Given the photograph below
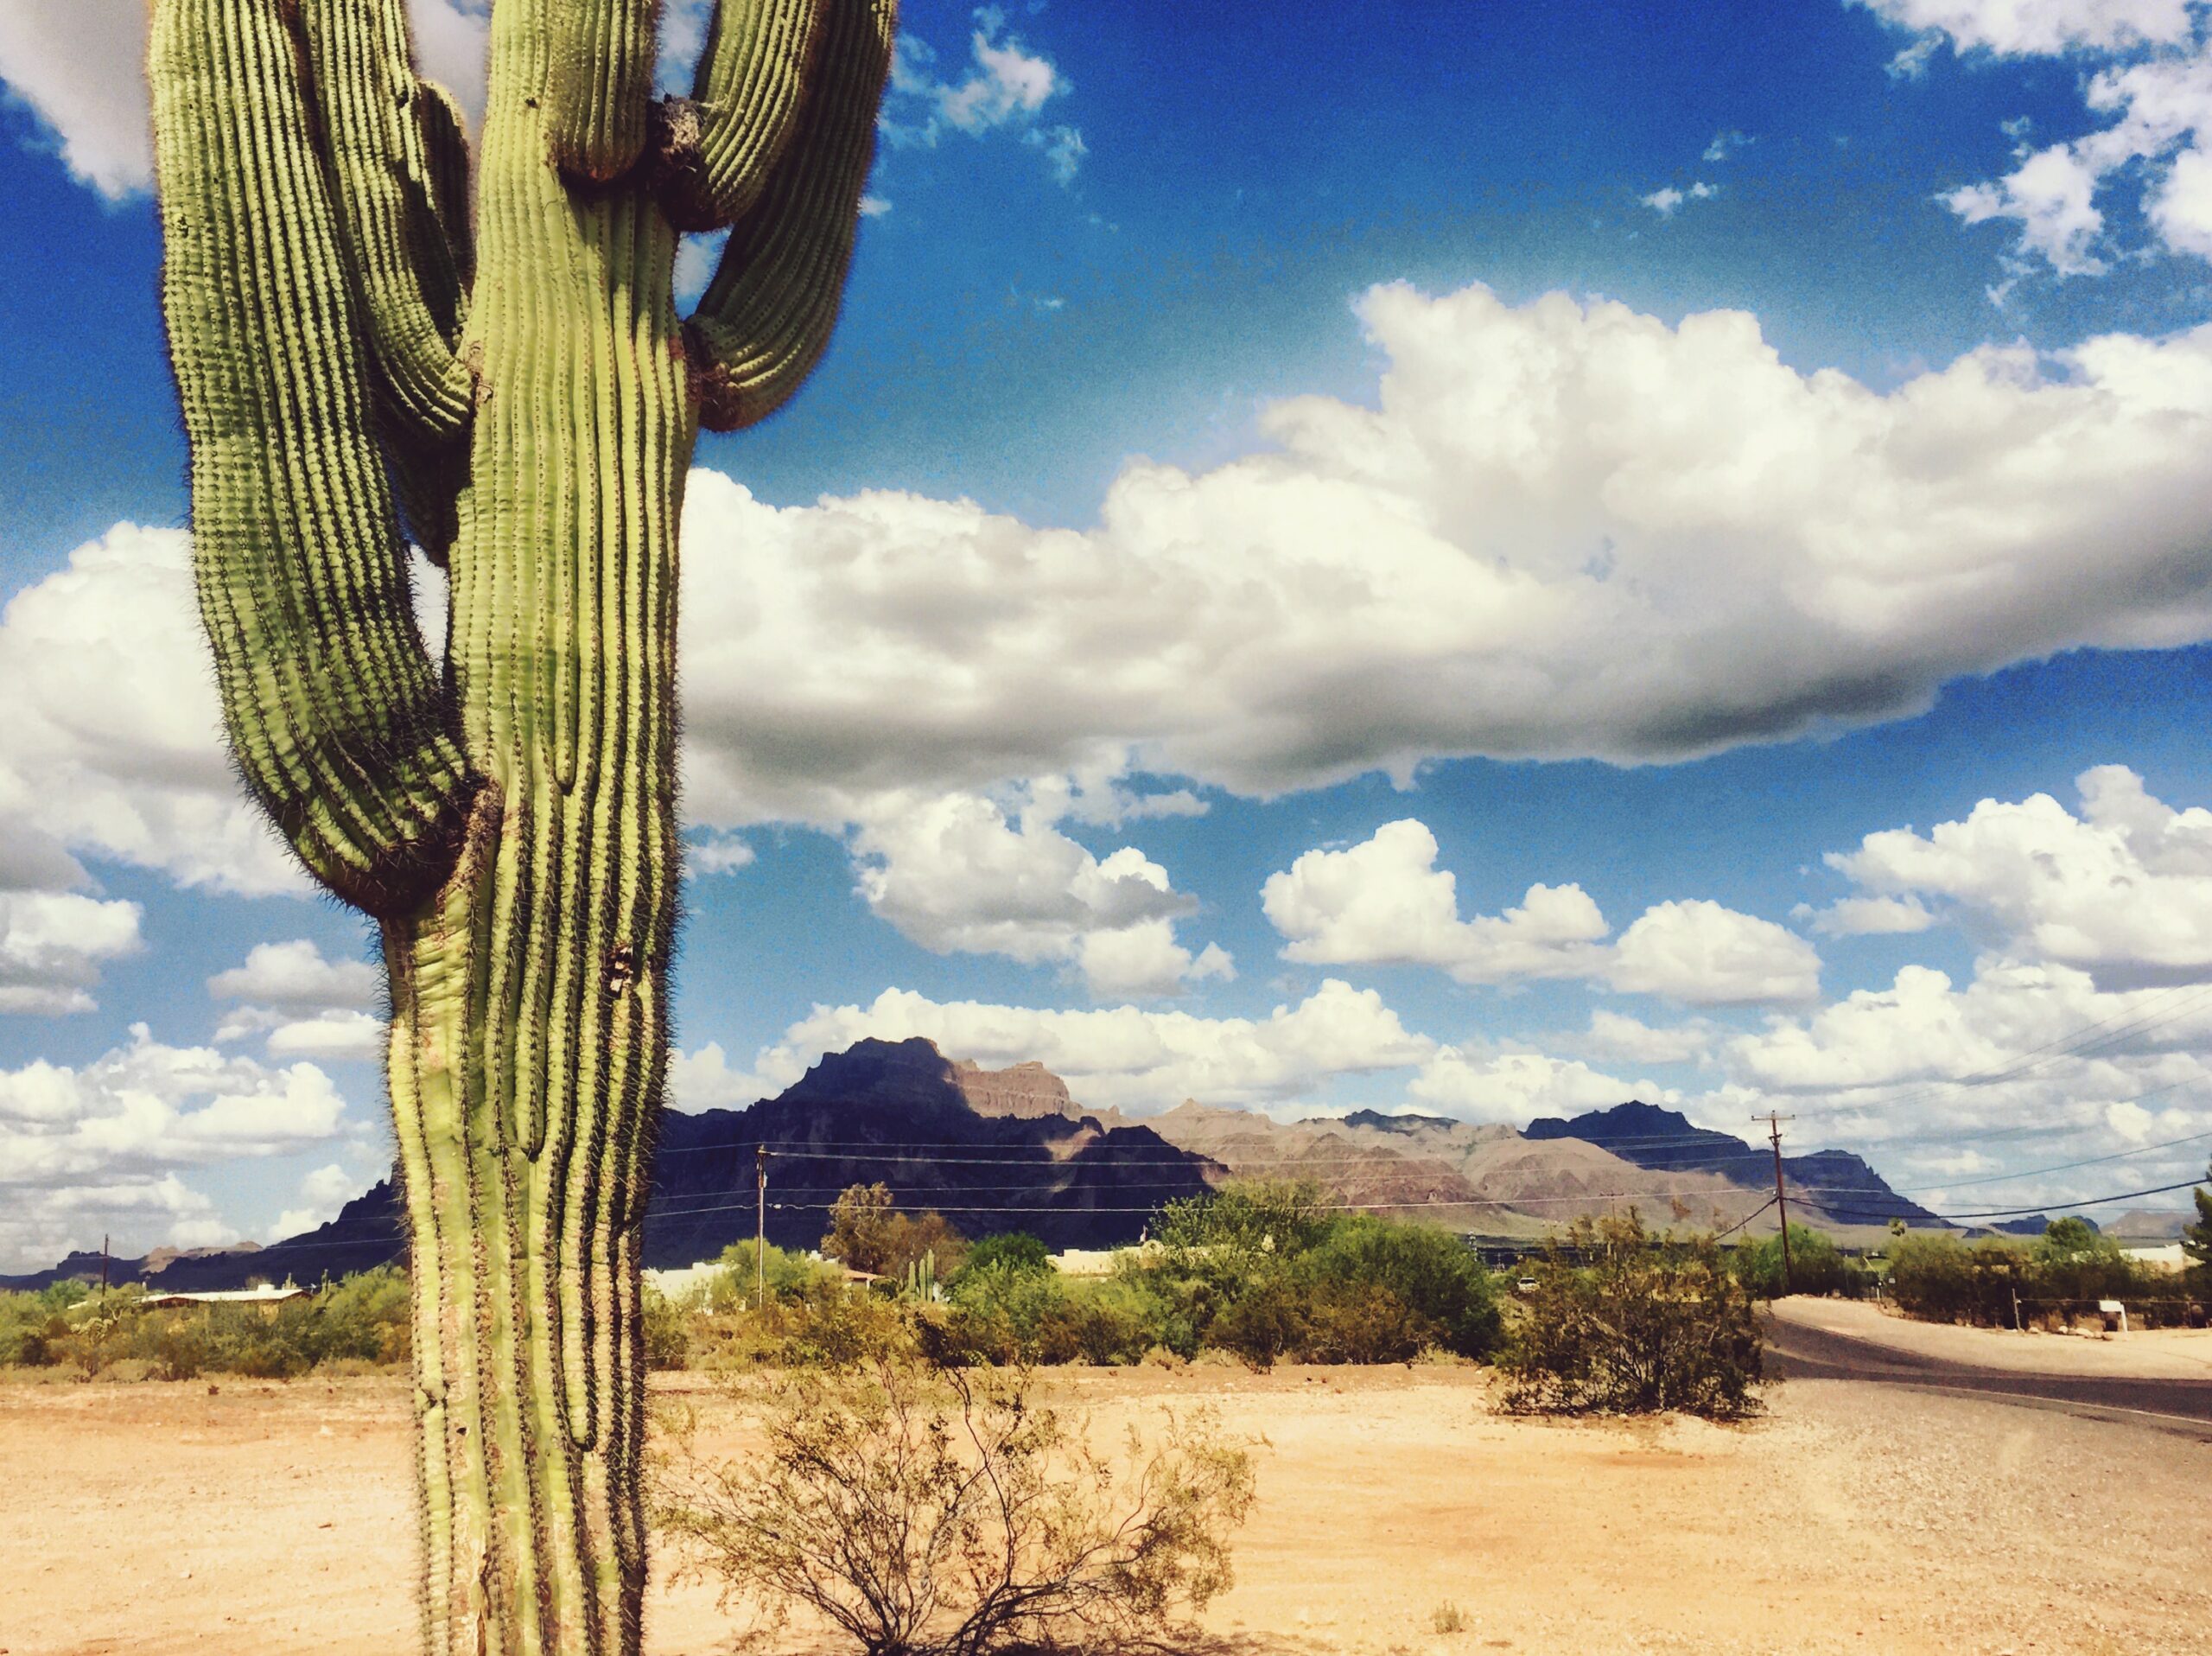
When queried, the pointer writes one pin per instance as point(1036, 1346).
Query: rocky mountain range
point(1012, 1149)
point(1833, 1184)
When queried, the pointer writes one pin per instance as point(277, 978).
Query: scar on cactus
point(379, 340)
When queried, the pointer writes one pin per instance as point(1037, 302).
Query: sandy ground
point(2160, 1354)
point(155, 1518)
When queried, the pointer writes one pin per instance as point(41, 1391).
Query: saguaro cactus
point(357, 350)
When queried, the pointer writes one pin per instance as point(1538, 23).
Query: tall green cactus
point(358, 348)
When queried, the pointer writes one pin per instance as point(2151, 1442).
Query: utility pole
point(760, 1232)
point(1774, 1128)
point(103, 1264)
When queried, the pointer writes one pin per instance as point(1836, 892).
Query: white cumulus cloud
point(306, 1006)
point(52, 946)
point(1129, 1057)
point(1005, 86)
point(79, 64)
point(1564, 529)
point(1477, 1082)
point(100, 1145)
point(2147, 86)
point(956, 873)
point(322, 1193)
point(2040, 27)
point(112, 745)
point(2122, 890)
point(1385, 901)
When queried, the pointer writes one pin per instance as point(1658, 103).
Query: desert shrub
point(822, 1327)
point(1435, 1280)
point(1261, 1270)
point(2073, 1261)
point(1939, 1277)
point(868, 1233)
point(2062, 1273)
point(365, 1317)
point(938, 1513)
point(1260, 1325)
point(667, 1331)
point(180, 1350)
point(35, 1326)
point(1004, 1313)
point(1345, 1323)
point(1646, 1324)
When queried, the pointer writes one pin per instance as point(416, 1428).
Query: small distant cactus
point(364, 352)
point(921, 1277)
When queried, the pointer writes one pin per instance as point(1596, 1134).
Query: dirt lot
point(157, 1518)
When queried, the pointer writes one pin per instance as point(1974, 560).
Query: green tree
point(1016, 1250)
point(2196, 1239)
point(1243, 1223)
point(788, 1275)
point(375, 341)
point(868, 1233)
point(1815, 1265)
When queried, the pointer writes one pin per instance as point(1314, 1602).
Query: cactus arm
point(336, 713)
point(744, 108)
point(766, 317)
point(365, 103)
point(600, 84)
point(445, 149)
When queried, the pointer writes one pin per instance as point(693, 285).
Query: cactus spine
point(364, 357)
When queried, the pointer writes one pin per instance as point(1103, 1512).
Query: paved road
point(2183, 1407)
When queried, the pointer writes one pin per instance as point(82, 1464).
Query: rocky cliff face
point(1023, 1092)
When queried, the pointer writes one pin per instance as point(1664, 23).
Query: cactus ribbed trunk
point(530, 995)
point(352, 341)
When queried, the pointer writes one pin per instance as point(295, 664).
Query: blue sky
point(1488, 560)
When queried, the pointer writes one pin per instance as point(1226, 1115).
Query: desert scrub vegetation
point(1258, 1271)
point(2050, 1279)
point(927, 1511)
point(359, 1321)
point(1624, 1322)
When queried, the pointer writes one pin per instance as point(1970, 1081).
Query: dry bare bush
point(925, 1512)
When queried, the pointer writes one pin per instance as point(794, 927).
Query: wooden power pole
point(761, 1231)
point(1774, 1129)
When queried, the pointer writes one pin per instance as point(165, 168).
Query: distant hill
point(1400, 1166)
point(367, 1234)
point(2151, 1223)
point(1484, 1178)
point(1840, 1186)
point(1012, 1149)
point(2032, 1225)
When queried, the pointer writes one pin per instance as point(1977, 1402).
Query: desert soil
point(256, 1518)
point(2159, 1353)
